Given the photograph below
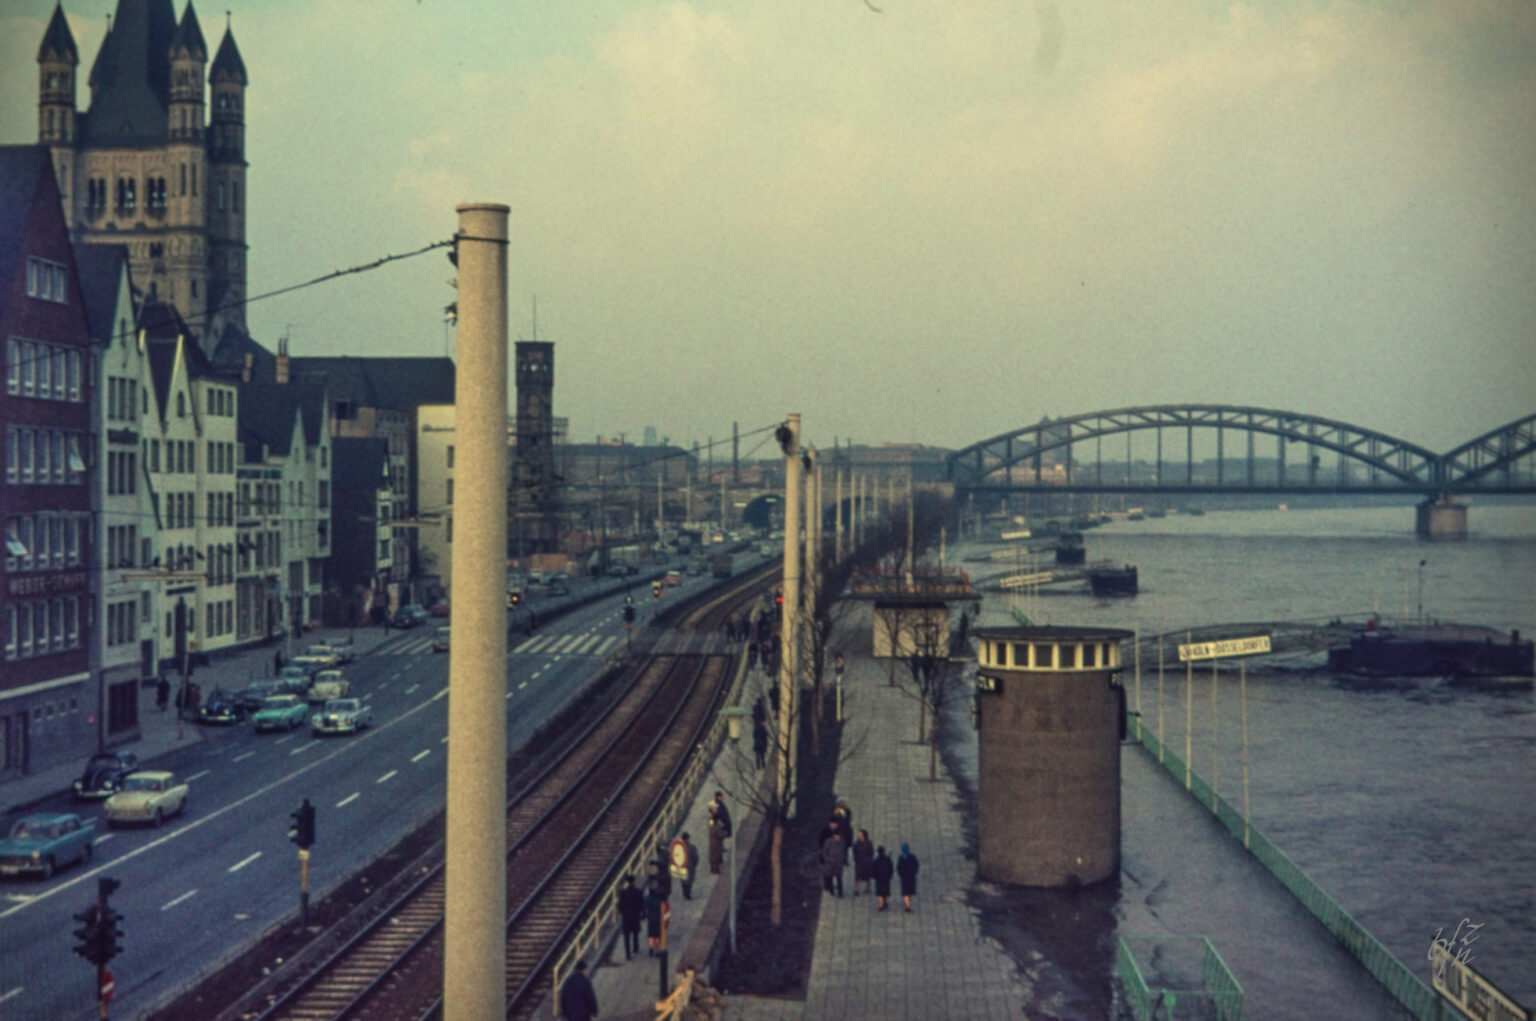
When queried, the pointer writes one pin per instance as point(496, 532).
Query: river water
point(1412, 803)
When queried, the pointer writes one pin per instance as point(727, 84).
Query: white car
point(148, 795)
point(341, 716)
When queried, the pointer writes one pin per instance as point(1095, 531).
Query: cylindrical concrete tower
point(1049, 714)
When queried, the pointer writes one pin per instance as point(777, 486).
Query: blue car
point(45, 842)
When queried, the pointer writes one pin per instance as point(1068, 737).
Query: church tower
point(226, 178)
point(57, 59)
point(178, 256)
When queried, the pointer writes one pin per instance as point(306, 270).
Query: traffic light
point(302, 832)
point(101, 927)
point(109, 930)
point(629, 613)
point(86, 935)
point(516, 598)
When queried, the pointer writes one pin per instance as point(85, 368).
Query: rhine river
point(1411, 803)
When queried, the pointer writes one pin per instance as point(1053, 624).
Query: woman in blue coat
point(906, 868)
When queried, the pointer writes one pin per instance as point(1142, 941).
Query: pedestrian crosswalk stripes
point(581, 644)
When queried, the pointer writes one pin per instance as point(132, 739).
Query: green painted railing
point(1220, 994)
point(1406, 987)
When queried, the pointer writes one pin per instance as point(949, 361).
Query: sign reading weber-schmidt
point(1226, 647)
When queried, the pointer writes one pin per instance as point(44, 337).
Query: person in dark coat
point(652, 903)
point(631, 910)
point(863, 862)
point(661, 872)
point(881, 871)
point(760, 743)
point(834, 855)
point(578, 1000)
point(721, 811)
point(906, 868)
point(162, 693)
point(690, 866)
point(717, 834)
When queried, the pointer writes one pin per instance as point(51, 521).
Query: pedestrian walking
point(652, 902)
point(631, 911)
point(773, 699)
point(690, 864)
point(662, 873)
point(760, 743)
point(578, 1000)
point(834, 855)
point(881, 871)
point(906, 868)
point(162, 693)
point(863, 862)
point(751, 657)
point(723, 812)
point(717, 836)
point(277, 661)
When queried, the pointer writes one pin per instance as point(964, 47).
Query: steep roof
point(189, 35)
point(381, 382)
point(227, 64)
point(132, 77)
point(58, 41)
point(267, 411)
point(101, 269)
point(21, 166)
point(163, 329)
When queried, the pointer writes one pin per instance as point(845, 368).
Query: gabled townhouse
point(362, 547)
point(128, 594)
point(284, 491)
point(47, 697)
point(190, 438)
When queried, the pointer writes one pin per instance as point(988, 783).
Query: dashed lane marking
point(177, 900)
point(520, 687)
point(197, 776)
point(386, 776)
point(243, 862)
point(11, 994)
point(103, 837)
point(304, 747)
point(246, 755)
point(412, 688)
point(347, 800)
point(285, 739)
point(421, 755)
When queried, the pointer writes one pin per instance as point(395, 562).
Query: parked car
point(295, 678)
point(557, 583)
point(221, 707)
point(440, 640)
point(281, 712)
point(674, 579)
point(255, 694)
point(441, 608)
point(343, 649)
point(312, 664)
point(341, 716)
point(408, 616)
point(321, 652)
point(148, 795)
point(328, 684)
point(45, 842)
point(104, 774)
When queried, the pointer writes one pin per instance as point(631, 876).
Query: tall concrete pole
point(837, 487)
point(911, 548)
point(789, 629)
point(474, 928)
point(812, 535)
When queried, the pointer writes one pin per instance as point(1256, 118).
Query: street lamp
point(1421, 591)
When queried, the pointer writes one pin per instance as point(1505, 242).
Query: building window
point(46, 280)
point(127, 194)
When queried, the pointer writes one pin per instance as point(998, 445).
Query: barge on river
point(1106, 578)
point(1435, 650)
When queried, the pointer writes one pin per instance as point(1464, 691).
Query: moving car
point(281, 712)
point(408, 616)
point(321, 653)
point(440, 640)
point(104, 774)
point(674, 579)
point(341, 716)
point(313, 664)
point(255, 694)
point(221, 707)
point(295, 679)
point(328, 684)
point(44, 842)
point(148, 795)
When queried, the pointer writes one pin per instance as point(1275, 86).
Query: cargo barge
point(1110, 579)
point(1436, 650)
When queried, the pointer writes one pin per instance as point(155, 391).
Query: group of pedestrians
point(636, 905)
point(872, 866)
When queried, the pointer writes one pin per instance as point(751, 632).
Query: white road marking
point(243, 862)
point(524, 646)
point(421, 755)
point(304, 747)
point(246, 755)
point(104, 837)
point(537, 672)
point(347, 800)
point(342, 748)
point(602, 650)
point(439, 695)
point(564, 645)
point(386, 776)
point(18, 897)
point(586, 646)
point(172, 903)
point(520, 687)
point(412, 688)
point(444, 739)
point(11, 993)
point(511, 693)
point(197, 776)
point(382, 687)
point(285, 738)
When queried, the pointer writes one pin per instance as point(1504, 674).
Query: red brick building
point(47, 700)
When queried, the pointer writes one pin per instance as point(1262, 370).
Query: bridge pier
point(1441, 517)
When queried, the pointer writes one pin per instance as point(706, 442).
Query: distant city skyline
point(932, 224)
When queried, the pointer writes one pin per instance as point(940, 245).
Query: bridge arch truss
point(1049, 454)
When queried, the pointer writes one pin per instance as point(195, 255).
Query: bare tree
point(931, 678)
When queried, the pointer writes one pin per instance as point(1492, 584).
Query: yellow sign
point(1226, 647)
point(1468, 991)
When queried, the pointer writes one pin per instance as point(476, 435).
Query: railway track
point(561, 848)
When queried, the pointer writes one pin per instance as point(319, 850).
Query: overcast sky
point(934, 223)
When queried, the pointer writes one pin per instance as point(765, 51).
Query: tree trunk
point(922, 718)
point(776, 866)
point(933, 747)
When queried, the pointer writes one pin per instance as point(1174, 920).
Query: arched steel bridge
point(1336, 457)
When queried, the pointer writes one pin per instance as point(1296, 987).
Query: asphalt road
point(212, 879)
